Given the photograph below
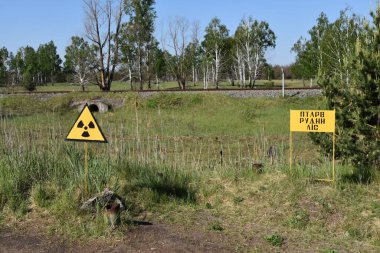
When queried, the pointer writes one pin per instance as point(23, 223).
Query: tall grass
point(162, 146)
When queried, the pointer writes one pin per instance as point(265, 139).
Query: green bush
point(27, 81)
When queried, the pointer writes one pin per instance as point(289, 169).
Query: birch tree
point(3, 65)
point(193, 53)
point(206, 62)
point(254, 38)
point(16, 66)
point(103, 22)
point(215, 39)
point(338, 47)
point(177, 40)
point(128, 49)
point(80, 59)
point(309, 53)
point(141, 24)
point(349, 78)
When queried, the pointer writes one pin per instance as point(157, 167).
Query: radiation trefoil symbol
point(86, 128)
point(85, 132)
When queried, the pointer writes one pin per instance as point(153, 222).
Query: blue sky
point(33, 22)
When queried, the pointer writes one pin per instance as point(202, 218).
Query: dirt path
point(157, 237)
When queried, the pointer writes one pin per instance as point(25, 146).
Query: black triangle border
point(105, 139)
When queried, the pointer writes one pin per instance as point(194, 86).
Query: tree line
point(29, 66)
point(119, 42)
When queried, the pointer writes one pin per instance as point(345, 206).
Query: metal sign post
point(86, 129)
point(312, 121)
point(283, 82)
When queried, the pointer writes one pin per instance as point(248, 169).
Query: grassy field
point(190, 160)
point(117, 85)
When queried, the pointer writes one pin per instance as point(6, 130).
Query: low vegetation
point(195, 160)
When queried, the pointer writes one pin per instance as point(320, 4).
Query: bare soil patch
point(158, 237)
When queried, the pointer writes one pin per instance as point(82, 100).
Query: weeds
point(330, 251)
point(164, 157)
point(299, 220)
point(216, 226)
point(275, 240)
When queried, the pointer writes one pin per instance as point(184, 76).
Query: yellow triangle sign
point(86, 128)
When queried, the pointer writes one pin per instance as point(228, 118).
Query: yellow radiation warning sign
point(312, 121)
point(86, 128)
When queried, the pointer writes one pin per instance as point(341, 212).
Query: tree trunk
point(217, 62)
point(140, 74)
point(193, 75)
point(130, 77)
point(183, 83)
point(149, 77)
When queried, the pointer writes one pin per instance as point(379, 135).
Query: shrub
point(27, 81)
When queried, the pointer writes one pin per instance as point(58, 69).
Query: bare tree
point(178, 41)
point(103, 22)
point(195, 62)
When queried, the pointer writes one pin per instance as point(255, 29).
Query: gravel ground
point(250, 93)
point(232, 93)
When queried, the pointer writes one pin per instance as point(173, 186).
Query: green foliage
point(269, 84)
point(345, 52)
point(238, 199)
point(214, 44)
point(253, 38)
point(28, 81)
point(3, 65)
point(177, 177)
point(216, 226)
point(42, 195)
point(139, 34)
point(275, 240)
point(80, 59)
point(49, 62)
point(299, 220)
point(330, 251)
